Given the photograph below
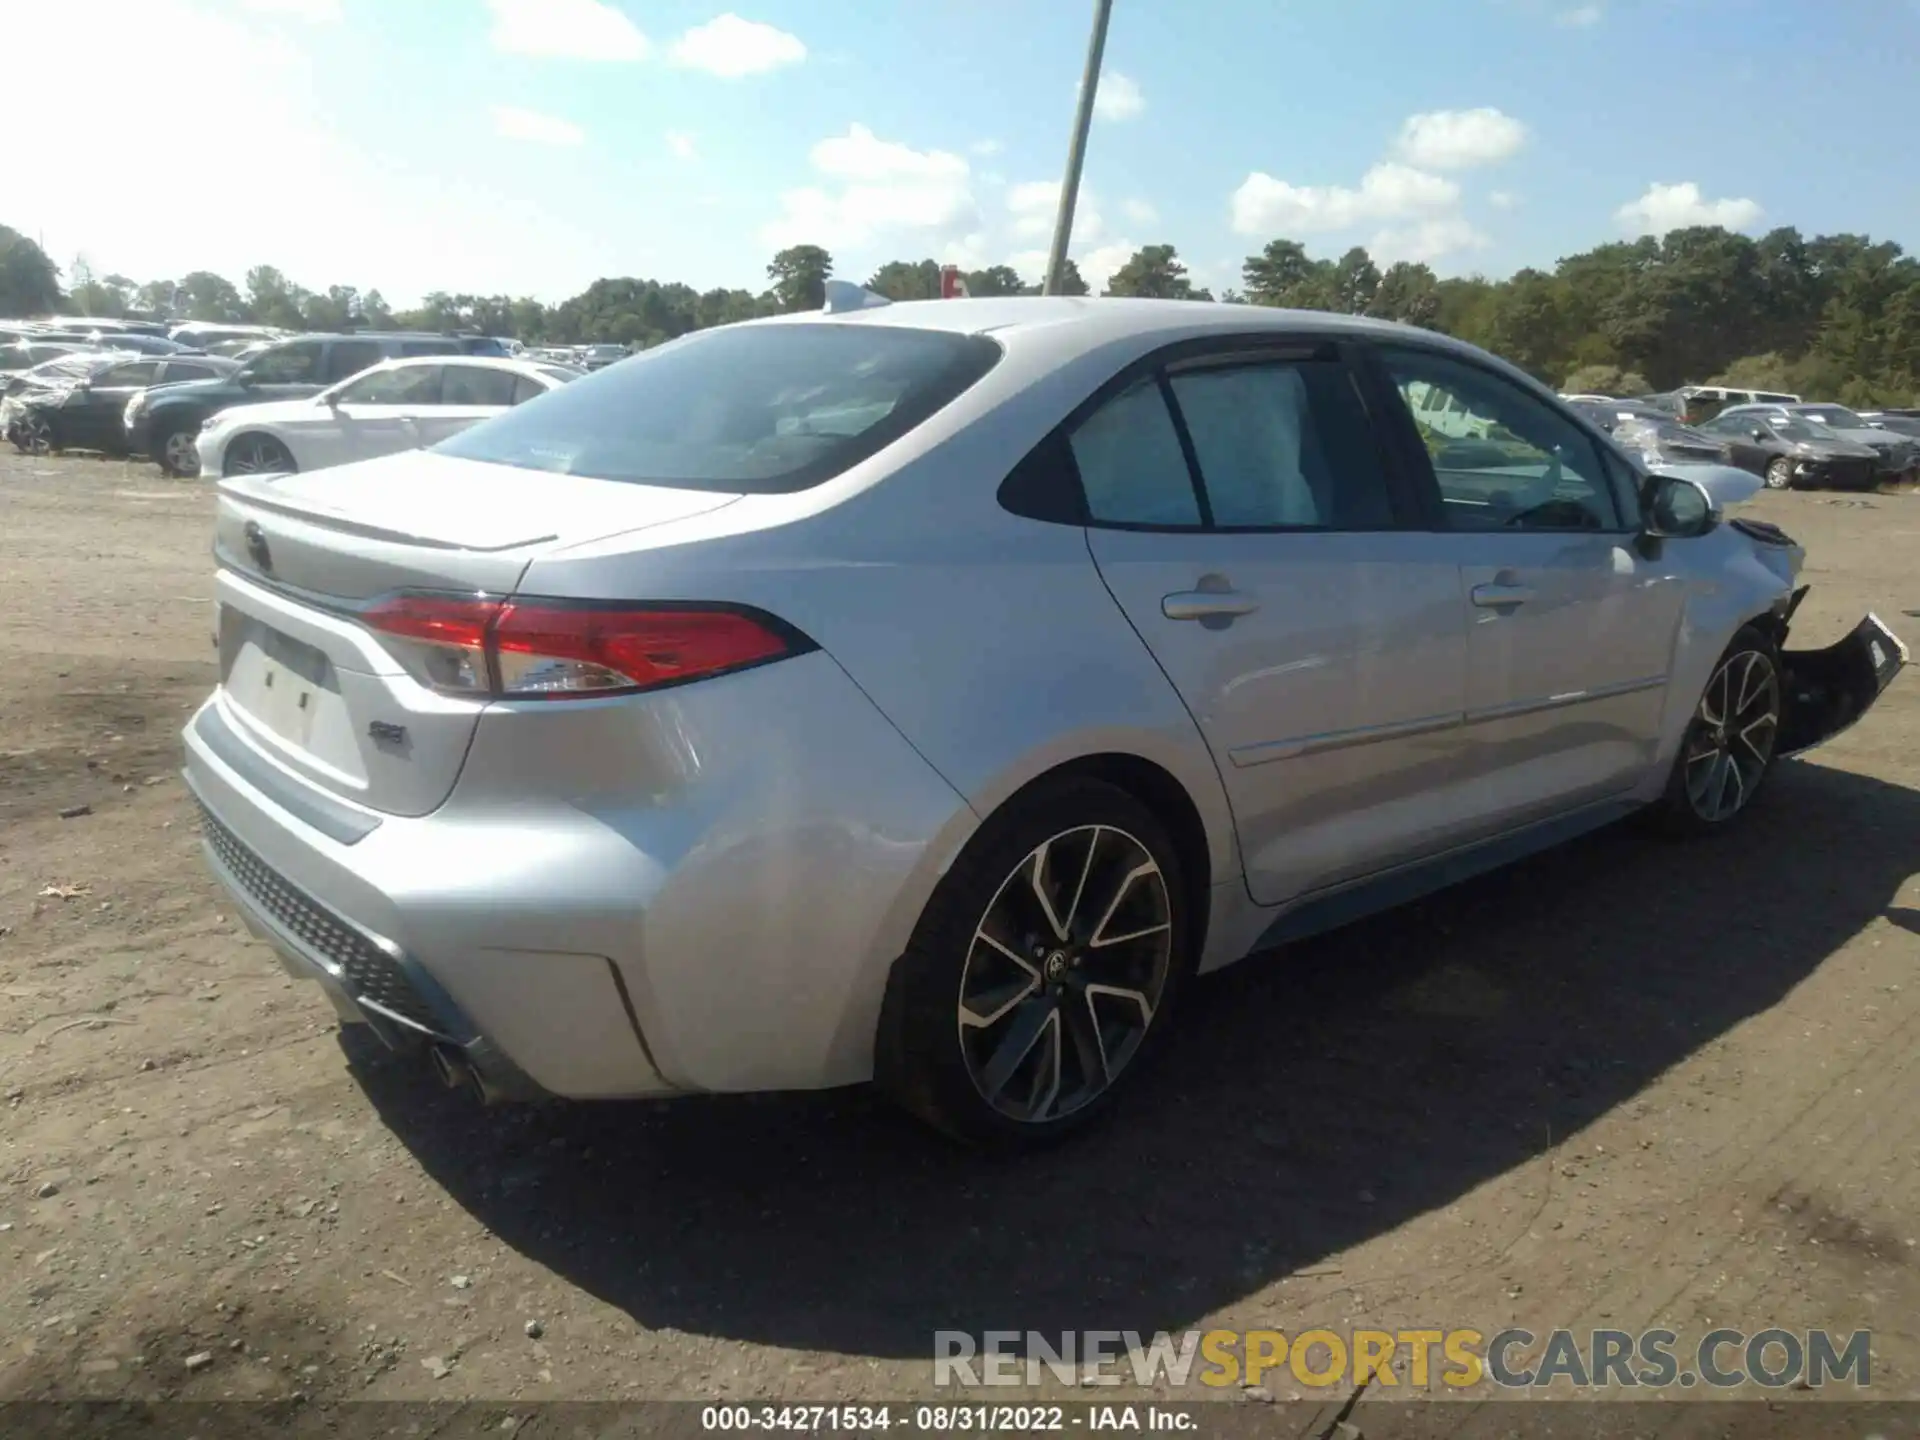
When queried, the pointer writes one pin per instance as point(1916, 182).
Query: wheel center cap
point(1055, 967)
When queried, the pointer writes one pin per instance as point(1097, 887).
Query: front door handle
point(1496, 596)
point(1205, 604)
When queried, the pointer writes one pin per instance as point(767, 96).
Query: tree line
point(1836, 316)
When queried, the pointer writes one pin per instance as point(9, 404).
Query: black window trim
point(439, 389)
point(1046, 485)
point(1413, 453)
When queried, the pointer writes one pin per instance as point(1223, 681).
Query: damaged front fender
point(1826, 691)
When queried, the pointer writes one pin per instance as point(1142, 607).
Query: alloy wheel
point(258, 457)
point(36, 435)
point(1064, 973)
point(181, 455)
point(1779, 475)
point(1731, 742)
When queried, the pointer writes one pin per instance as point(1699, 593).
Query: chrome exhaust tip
point(449, 1067)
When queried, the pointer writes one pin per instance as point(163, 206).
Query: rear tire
point(1727, 752)
point(1043, 973)
point(1780, 474)
point(33, 434)
point(175, 453)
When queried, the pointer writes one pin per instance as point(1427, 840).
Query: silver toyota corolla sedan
point(926, 692)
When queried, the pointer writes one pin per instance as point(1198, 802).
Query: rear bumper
point(701, 890)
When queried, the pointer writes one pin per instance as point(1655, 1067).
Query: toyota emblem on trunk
point(257, 546)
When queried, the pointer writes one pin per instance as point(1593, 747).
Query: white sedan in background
point(396, 405)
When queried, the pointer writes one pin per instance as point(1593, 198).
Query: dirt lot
point(1625, 1084)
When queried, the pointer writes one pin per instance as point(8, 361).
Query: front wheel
point(1727, 753)
point(33, 434)
point(1780, 474)
point(1043, 972)
point(258, 455)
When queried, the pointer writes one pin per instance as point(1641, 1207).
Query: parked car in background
point(1167, 641)
point(1791, 453)
point(1899, 422)
point(598, 357)
point(1899, 456)
point(165, 423)
point(206, 334)
point(81, 406)
point(396, 405)
point(24, 355)
point(143, 344)
point(1661, 439)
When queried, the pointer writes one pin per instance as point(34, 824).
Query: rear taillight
point(536, 649)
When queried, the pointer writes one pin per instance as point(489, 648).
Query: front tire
point(257, 455)
point(1042, 974)
point(1727, 752)
point(1780, 474)
point(33, 435)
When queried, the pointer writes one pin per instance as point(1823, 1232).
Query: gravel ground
point(1623, 1084)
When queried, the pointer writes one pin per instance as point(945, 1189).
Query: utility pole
point(1077, 151)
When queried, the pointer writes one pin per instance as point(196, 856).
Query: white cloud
point(730, 47)
point(1035, 208)
point(404, 231)
point(877, 188)
point(1459, 139)
point(1426, 241)
point(1503, 199)
point(1140, 211)
point(1118, 97)
point(1580, 17)
point(986, 147)
point(1389, 191)
point(1673, 207)
point(314, 12)
point(1098, 264)
point(681, 144)
point(512, 123)
point(565, 30)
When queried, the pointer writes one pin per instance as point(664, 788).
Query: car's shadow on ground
point(1315, 1098)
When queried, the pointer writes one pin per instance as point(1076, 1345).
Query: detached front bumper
point(1827, 691)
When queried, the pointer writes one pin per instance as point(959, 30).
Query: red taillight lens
point(553, 649)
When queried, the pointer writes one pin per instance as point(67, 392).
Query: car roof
point(1101, 317)
point(516, 364)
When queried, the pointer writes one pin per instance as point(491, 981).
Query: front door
point(1242, 516)
point(1572, 626)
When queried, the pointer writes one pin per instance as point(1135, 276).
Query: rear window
point(765, 409)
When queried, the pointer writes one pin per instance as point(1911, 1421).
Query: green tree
point(907, 280)
point(274, 300)
point(1284, 274)
point(29, 281)
point(799, 275)
point(203, 295)
point(1355, 279)
point(1408, 293)
point(1609, 380)
point(1153, 272)
point(994, 280)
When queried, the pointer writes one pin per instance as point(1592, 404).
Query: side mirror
point(1759, 432)
point(1678, 509)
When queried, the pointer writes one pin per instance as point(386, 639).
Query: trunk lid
point(309, 686)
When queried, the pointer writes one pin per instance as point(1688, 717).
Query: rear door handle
point(1204, 604)
point(1493, 596)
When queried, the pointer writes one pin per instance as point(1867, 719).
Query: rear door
point(468, 395)
point(375, 414)
point(1572, 627)
point(1246, 521)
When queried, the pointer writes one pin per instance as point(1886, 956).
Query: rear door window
point(477, 385)
point(762, 409)
point(350, 357)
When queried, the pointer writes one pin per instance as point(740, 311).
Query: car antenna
point(845, 295)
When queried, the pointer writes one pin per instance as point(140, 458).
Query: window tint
point(1511, 460)
point(428, 347)
point(1284, 444)
point(350, 357)
point(138, 373)
point(473, 385)
point(1132, 468)
point(526, 388)
point(286, 364)
point(188, 370)
point(403, 385)
point(765, 409)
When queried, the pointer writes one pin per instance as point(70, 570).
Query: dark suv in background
point(163, 422)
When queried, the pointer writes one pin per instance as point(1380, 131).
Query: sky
point(528, 147)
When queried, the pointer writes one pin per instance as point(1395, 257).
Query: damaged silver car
point(924, 693)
